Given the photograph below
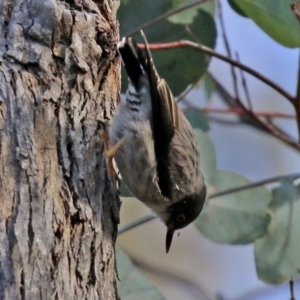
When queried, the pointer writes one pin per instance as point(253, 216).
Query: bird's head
point(182, 213)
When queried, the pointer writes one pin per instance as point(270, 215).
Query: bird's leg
point(109, 153)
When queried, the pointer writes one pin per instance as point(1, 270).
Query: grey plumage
point(159, 158)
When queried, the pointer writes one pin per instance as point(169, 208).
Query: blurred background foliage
point(237, 211)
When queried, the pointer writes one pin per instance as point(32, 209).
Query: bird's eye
point(180, 218)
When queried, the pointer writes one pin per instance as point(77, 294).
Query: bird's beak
point(169, 236)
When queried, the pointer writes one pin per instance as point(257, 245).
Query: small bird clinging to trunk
point(154, 144)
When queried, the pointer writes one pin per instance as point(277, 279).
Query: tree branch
point(136, 223)
point(254, 185)
point(245, 86)
point(292, 290)
point(148, 218)
point(228, 50)
point(240, 111)
point(297, 99)
point(187, 91)
point(256, 121)
point(199, 292)
point(207, 50)
point(223, 121)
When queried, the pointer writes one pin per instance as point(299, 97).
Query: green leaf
point(176, 66)
point(237, 218)
point(187, 16)
point(277, 253)
point(124, 191)
point(197, 119)
point(207, 156)
point(237, 9)
point(133, 284)
point(275, 18)
point(132, 14)
point(209, 85)
point(209, 7)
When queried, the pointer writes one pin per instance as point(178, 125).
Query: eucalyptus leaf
point(209, 7)
point(187, 16)
point(132, 14)
point(197, 119)
point(277, 253)
point(124, 191)
point(236, 218)
point(179, 67)
point(236, 8)
point(207, 151)
point(133, 284)
point(275, 18)
point(209, 85)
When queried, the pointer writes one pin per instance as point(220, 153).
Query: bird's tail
point(133, 59)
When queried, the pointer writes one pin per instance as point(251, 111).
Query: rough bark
point(59, 75)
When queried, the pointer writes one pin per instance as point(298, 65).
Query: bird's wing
point(166, 95)
point(164, 106)
point(165, 121)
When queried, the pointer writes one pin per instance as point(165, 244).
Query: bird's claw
point(110, 153)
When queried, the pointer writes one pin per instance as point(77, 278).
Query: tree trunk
point(59, 75)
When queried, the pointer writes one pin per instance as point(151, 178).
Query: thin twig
point(165, 16)
point(256, 121)
point(227, 47)
point(262, 292)
point(254, 185)
point(182, 96)
point(297, 99)
point(207, 50)
point(186, 281)
point(223, 121)
point(187, 90)
point(244, 84)
point(298, 83)
point(136, 223)
point(292, 290)
point(239, 111)
point(143, 220)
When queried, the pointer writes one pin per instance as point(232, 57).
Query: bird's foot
point(109, 154)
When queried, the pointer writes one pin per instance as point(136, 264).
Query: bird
point(154, 145)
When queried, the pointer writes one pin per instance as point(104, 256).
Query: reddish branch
point(251, 117)
point(202, 48)
point(267, 126)
point(240, 111)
